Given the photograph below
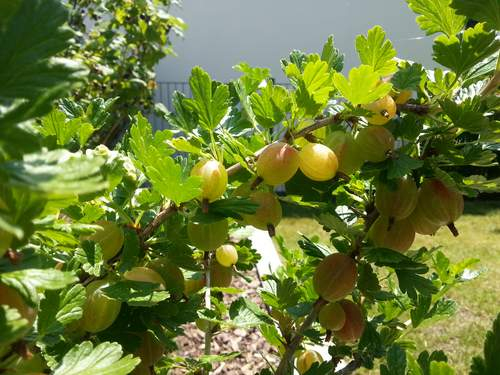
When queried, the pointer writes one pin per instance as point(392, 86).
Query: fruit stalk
point(291, 347)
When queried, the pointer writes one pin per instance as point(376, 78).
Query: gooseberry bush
point(108, 255)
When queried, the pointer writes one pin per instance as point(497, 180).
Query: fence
point(164, 93)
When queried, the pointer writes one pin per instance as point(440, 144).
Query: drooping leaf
point(437, 16)
point(103, 359)
point(363, 85)
point(376, 51)
point(490, 362)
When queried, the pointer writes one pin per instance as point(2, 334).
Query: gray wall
point(223, 32)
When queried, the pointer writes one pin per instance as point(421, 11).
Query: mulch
point(254, 349)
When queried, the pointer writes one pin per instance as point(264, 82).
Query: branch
point(350, 368)
point(294, 343)
point(157, 221)
point(492, 84)
point(318, 124)
point(419, 109)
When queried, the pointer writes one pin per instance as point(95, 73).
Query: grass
point(460, 337)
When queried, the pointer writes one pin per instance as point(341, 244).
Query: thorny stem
point(156, 222)
point(286, 362)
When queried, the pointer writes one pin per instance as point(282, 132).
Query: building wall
point(223, 32)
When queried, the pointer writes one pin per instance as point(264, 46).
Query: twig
point(157, 221)
point(291, 348)
point(208, 303)
point(419, 109)
point(492, 84)
point(350, 368)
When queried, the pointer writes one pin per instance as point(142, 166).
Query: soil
point(254, 349)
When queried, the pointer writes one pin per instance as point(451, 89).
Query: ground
point(461, 336)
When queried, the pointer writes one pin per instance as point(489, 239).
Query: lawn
point(461, 336)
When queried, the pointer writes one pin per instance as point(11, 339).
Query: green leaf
point(271, 106)
point(58, 309)
point(252, 76)
point(481, 183)
point(480, 10)
point(461, 53)
point(396, 361)
point(210, 101)
point(245, 313)
point(314, 85)
point(57, 173)
point(46, 279)
point(402, 166)
point(490, 363)
point(28, 70)
point(363, 86)
point(441, 368)
point(166, 176)
point(437, 16)
point(408, 78)
point(467, 115)
point(376, 51)
point(12, 325)
point(332, 55)
point(105, 359)
point(136, 293)
point(411, 283)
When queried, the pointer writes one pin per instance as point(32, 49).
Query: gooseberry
point(109, 236)
point(278, 163)
point(151, 349)
point(306, 359)
point(421, 224)
point(375, 143)
point(398, 235)
point(226, 255)
point(213, 178)
point(146, 275)
point(12, 298)
point(383, 110)
point(403, 96)
point(354, 322)
point(220, 276)
point(268, 214)
point(332, 316)
point(347, 151)
point(440, 204)
point(335, 277)
point(170, 273)
point(318, 162)
point(99, 311)
point(208, 236)
point(399, 201)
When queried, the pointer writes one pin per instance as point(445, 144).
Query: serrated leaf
point(376, 51)
point(363, 85)
point(461, 53)
point(396, 361)
point(57, 173)
point(408, 78)
point(245, 313)
point(490, 362)
point(402, 166)
point(46, 279)
point(136, 293)
point(211, 104)
point(104, 359)
point(482, 184)
point(332, 55)
point(411, 283)
point(437, 16)
point(59, 309)
point(12, 325)
point(314, 85)
point(271, 106)
point(166, 176)
point(480, 10)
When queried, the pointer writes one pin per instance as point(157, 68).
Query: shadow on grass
point(481, 207)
